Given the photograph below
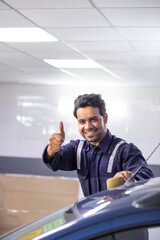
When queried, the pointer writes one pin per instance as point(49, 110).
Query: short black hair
point(93, 100)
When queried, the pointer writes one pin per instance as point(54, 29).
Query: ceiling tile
point(19, 59)
point(85, 34)
point(40, 46)
point(96, 76)
point(126, 17)
point(146, 45)
point(140, 33)
point(112, 56)
point(9, 18)
point(102, 46)
point(150, 58)
point(127, 3)
point(56, 55)
point(46, 50)
point(4, 48)
point(66, 17)
point(3, 6)
point(38, 4)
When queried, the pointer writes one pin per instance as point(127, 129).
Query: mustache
point(89, 129)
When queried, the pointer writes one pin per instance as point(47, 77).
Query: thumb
point(61, 129)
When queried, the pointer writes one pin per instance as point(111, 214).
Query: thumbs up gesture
point(61, 129)
point(55, 141)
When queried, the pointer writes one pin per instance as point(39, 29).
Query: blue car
point(131, 211)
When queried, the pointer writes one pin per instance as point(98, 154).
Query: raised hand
point(55, 141)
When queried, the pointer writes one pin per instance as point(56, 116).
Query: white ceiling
point(121, 35)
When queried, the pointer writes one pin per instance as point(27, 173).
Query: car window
point(43, 225)
point(151, 233)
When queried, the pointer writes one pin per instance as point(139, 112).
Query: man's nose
point(88, 125)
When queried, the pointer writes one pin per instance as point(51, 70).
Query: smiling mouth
point(90, 133)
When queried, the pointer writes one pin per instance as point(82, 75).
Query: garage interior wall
point(29, 114)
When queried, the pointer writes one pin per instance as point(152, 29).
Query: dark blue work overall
point(95, 165)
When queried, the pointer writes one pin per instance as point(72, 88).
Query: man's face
point(91, 124)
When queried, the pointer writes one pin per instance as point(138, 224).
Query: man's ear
point(105, 117)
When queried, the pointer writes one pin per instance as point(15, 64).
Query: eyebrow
point(94, 117)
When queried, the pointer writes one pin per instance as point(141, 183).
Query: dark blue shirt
point(97, 164)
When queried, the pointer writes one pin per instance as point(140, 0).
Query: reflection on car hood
point(110, 200)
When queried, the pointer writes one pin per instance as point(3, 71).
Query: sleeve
point(65, 159)
point(132, 159)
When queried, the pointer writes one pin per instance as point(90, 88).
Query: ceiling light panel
point(25, 35)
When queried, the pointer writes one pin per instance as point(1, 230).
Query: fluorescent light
point(73, 63)
point(25, 35)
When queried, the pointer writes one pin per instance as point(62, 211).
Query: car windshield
point(65, 217)
point(52, 222)
point(62, 218)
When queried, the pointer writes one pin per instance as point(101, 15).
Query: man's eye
point(81, 122)
point(94, 120)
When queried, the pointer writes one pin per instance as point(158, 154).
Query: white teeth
point(88, 133)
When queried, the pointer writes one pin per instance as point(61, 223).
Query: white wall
point(30, 113)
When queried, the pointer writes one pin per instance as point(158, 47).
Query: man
point(101, 155)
